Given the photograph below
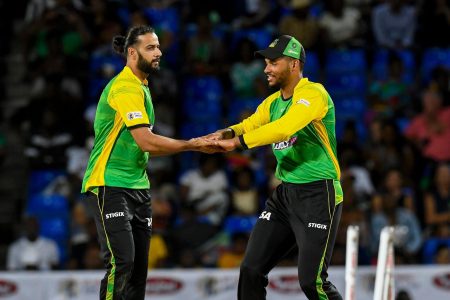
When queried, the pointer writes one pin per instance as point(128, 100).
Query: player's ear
point(131, 52)
point(293, 63)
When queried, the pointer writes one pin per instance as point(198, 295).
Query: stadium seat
point(195, 129)
point(54, 228)
point(380, 64)
point(341, 62)
point(239, 105)
point(40, 179)
point(42, 205)
point(204, 87)
point(235, 224)
point(262, 37)
point(346, 85)
point(165, 18)
point(202, 101)
point(312, 66)
point(432, 58)
point(430, 247)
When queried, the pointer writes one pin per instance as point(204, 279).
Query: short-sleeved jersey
point(116, 160)
point(301, 130)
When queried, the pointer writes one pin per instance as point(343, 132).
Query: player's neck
point(288, 90)
point(139, 74)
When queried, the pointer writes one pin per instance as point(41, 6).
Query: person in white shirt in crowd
point(32, 251)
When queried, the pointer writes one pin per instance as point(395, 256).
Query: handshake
point(219, 141)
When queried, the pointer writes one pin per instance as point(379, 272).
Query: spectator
point(48, 143)
point(430, 130)
point(390, 97)
point(394, 188)
point(32, 251)
point(341, 24)
point(204, 52)
point(389, 150)
point(437, 204)
point(83, 240)
point(232, 257)
point(246, 72)
point(408, 236)
point(204, 189)
point(253, 13)
point(158, 253)
point(440, 76)
point(244, 194)
point(300, 24)
point(394, 24)
point(442, 256)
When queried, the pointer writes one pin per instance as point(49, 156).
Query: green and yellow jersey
point(301, 130)
point(116, 160)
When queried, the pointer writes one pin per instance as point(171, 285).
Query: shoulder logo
point(304, 102)
point(134, 115)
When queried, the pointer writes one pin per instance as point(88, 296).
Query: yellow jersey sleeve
point(259, 118)
point(128, 101)
point(310, 105)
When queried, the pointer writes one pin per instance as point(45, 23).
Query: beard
point(282, 80)
point(145, 65)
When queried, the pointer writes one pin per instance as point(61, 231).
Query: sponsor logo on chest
point(285, 144)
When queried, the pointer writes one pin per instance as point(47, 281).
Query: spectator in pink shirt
point(430, 130)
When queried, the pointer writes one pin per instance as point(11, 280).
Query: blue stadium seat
point(238, 105)
point(262, 37)
point(102, 60)
point(195, 129)
point(341, 62)
point(312, 66)
point(42, 205)
point(235, 224)
point(380, 64)
point(54, 228)
point(40, 179)
point(430, 246)
point(350, 109)
point(204, 87)
point(203, 97)
point(432, 58)
point(346, 85)
point(166, 18)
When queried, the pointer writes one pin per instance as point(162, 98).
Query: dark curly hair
point(121, 43)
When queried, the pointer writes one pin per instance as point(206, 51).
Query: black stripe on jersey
point(138, 125)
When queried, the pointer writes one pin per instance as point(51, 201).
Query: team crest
point(274, 43)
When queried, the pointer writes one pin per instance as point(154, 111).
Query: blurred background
point(385, 64)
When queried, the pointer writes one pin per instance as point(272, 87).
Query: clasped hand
point(214, 142)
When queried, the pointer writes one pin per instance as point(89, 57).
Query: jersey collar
point(128, 71)
point(302, 82)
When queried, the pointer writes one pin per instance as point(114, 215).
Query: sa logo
point(265, 215)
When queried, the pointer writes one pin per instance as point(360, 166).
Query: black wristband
point(243, 144)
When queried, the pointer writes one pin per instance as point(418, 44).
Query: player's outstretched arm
point(158, 145)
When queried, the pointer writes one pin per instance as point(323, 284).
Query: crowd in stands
point(386, 64)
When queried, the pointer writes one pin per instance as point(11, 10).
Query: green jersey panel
point(116, 160)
